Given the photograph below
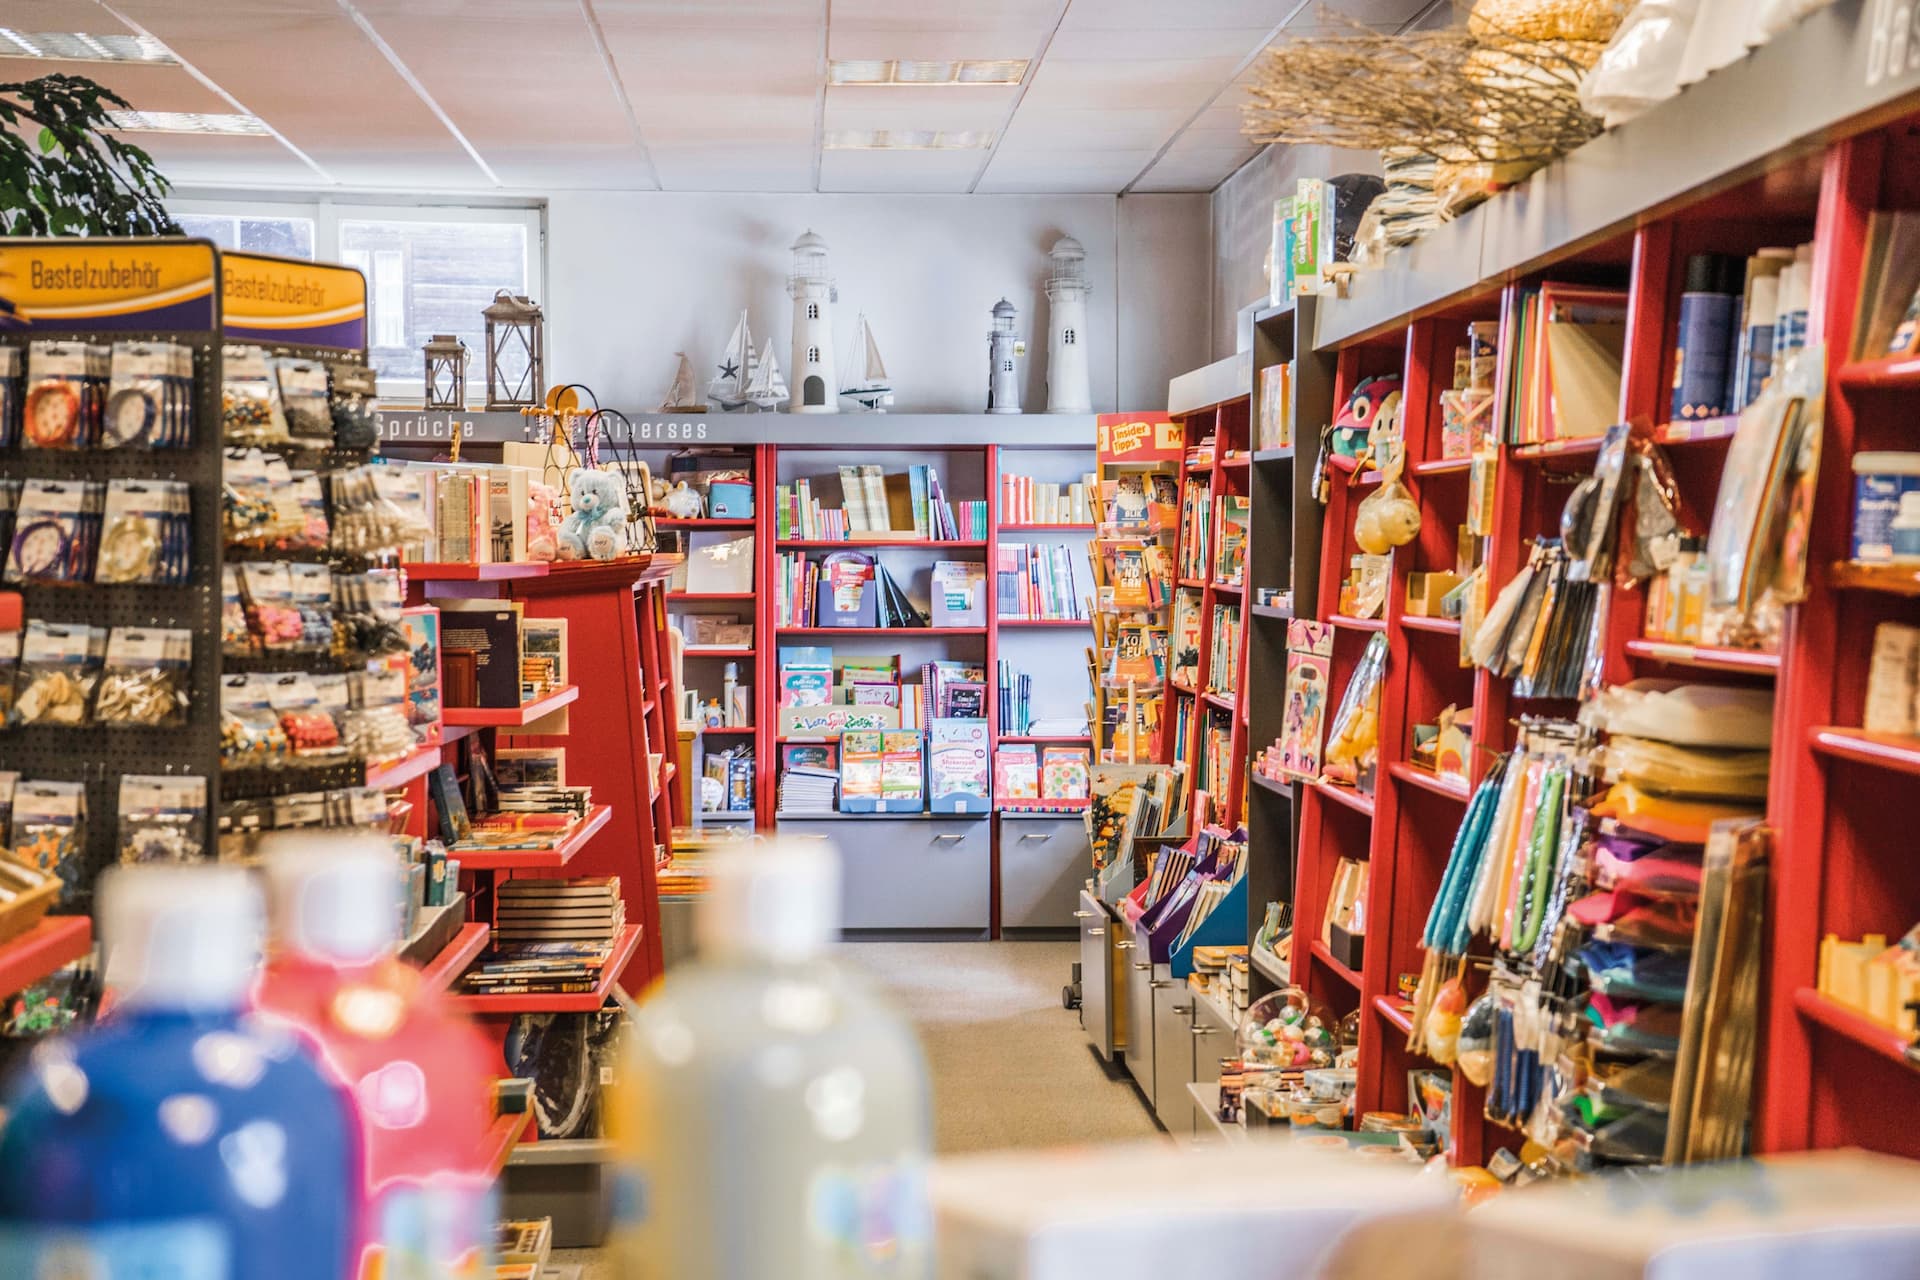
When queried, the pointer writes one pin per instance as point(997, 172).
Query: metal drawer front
point(911, 873)
point(1043, 864)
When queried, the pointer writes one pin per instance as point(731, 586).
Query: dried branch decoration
point(1496, 89)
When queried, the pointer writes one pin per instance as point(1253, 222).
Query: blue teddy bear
point(597, 528)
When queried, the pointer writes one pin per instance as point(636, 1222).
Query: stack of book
point(1024, 500)
point(549, 937)
point(809, 777)
point(1036, 582)
point(878, 506)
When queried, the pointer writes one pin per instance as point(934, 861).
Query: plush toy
point(684, 502)
point(1375, 400)
point(598, 526)
point(1388, 517)
point(543, 519)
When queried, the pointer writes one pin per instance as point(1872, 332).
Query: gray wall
point(634, 277)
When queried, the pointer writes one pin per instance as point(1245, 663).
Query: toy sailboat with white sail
point(872, 391)
point(729, 388)
point(766, 389)
point(680, 396)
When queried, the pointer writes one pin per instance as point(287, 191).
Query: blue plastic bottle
point(181, 1139)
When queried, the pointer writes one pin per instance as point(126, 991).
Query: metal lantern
point(516, 375)
point(446, 372)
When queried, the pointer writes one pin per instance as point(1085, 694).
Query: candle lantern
point(516, 377)
point(446, 376)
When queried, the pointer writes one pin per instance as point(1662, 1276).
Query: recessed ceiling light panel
point(186, 122)
point(74, 46)
point(897, 72)
point(908, 140)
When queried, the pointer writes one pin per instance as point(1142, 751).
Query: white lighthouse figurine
point(1003, 385)
point(810, 285)
point(1069, 386)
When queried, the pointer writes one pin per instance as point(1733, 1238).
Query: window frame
point(328, 213)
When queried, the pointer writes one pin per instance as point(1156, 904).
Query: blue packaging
point(1886, 508)
point(1706, 343)
point(181, 1140)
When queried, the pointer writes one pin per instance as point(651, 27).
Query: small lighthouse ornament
point(1069, 386)
point(810, 285)
point(1003, 385)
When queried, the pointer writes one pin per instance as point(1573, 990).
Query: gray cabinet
point(1214, 1038)
point(1173, 1027)
point(1140, 977)
point(1098, 1009)
point(910, 873)
point(1044, 860)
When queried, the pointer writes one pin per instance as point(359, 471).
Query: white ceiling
point(530, 96)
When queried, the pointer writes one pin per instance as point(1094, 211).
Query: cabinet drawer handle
point(1096, 933)
point(1204, 1031)
point(1126, 945)
point(1036, 835)
point(1181, 1008)
point(1138, 965)
point(1085, 915)
point(1159, 983)
point(950, 837)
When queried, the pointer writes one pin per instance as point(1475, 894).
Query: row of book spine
point(1036, 581)
point(1223, 665)
point(1024, 500)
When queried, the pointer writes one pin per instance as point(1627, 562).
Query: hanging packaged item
point(272, 616)
point(59, 666)
point(50, 830)
point(149, 397)
point(302, 385)
point(369, 609)
point(1353, 736)
point(353, 400)
point(250, 409)
point(1763, 513)
point(66, 389)
point(145, 678)
point(163, 818)
point(56, 532)
point(146, 533)
point(250, 732)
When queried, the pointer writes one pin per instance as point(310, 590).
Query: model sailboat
point(872, 391)
point(680, 396)
point(766, 389)
point(729, 388)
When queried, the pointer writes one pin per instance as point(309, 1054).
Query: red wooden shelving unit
point(54, 942)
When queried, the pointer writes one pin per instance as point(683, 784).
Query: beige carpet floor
point(1010, 1066)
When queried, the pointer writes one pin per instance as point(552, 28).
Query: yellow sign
point(293, 301)
point(112, 284)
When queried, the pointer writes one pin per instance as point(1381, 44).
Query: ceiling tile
point(916, 109)
point(1180, 84)
point(940, 44)
point(1074, 121)
point(1042, 131)
point(1381, 13)
point(972, 15)
point(739, 15)
point(733, 164)
point(1149, 44)
point(147, 88)
point(1107, 171)
point(1123, 15)
point(202, 160)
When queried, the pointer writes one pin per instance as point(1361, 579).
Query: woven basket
point(1580, 20)
point(27, 910)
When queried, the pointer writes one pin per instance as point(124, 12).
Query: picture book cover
point(806, 676)
point(810, 755)
point(902, 770)
point(1128, 510)
point(958, 773)
point(860, 770)
point(1133, 654)
point(1129, 576)
point(966, 700)
point(422, 627)
point(491, 630)
point(1309, 659)
point(1185, 640)
point(1016, 772)
point(1063, 773)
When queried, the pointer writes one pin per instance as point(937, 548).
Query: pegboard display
point(177, 286)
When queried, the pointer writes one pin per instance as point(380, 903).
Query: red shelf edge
point(1352, 623)
point(1346, 797)
point(1857, 1027)
point(415, 764)
point(1325, 957)
point(54, 942)
point(1887, 374)
point(1414, 775)
point(815, 544)
point(1388, 1007)
point(457, 571)
point(1439, 626)
point(510, 717)
point(560, 1002)
point(445, 969)
point(537, 859)
point(1705, 656)
point(881, 631)
point(503, 1135)
point(1884, 750)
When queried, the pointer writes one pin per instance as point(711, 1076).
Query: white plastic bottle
point(774, 1118)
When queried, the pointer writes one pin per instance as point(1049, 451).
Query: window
point(1066, 338)
point(429, 269)
point(813, 355)
point(813, 311)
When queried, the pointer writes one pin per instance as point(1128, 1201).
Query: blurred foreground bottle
point(182, 1139)
point(774, 1118)
point(418, 1070)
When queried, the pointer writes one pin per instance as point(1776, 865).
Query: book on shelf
point(958, 774)
point(861, 761)
point(490, 631)
point(1564, 367)
point(1223, 664)
point(806, 675)
point(1196, 515)
point(1063, 773)
point(1138, 573)
point(1037, 582)
point(1024, 500)
point(1303, 719)
point(1184, 641)
point(1015, 688)
point(1276, 407)
point(902, 770)
point(959, 593)
point(1139, 655)
point(1230, 561)
point(874, 506)
point(1016, 772)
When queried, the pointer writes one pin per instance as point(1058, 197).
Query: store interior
point(1018, 638)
